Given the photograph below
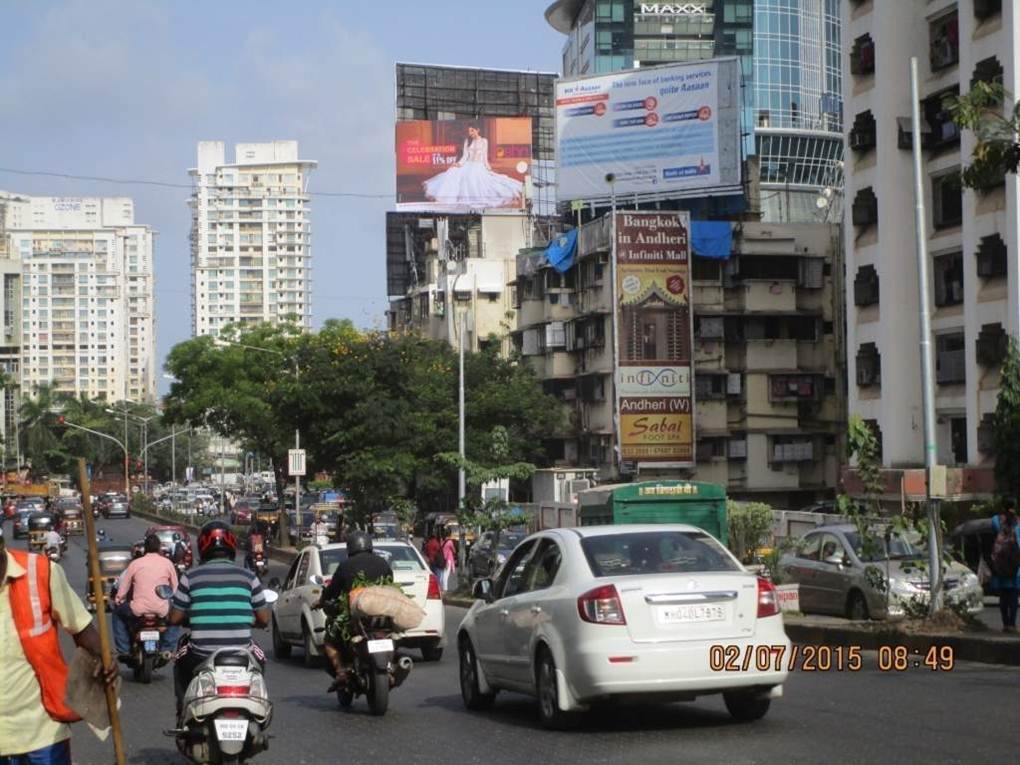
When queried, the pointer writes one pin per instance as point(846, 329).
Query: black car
point(117, 509)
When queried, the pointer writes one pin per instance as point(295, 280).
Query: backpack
point(438, 558)
point(1006, 553)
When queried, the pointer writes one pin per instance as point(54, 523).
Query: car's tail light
point(768, 603)
point(601, 606)
point(434, 592)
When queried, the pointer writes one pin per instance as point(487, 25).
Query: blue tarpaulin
point(712, 239)
point(560, 252)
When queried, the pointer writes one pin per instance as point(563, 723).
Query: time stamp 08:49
point(826, 658)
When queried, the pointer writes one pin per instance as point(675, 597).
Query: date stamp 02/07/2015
point(829, 658)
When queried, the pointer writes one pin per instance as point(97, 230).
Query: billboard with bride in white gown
point(660, 132)
point(463, 165)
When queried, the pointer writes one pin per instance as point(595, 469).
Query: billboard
point(463, 165)
point(654, 394)
point(662, 132)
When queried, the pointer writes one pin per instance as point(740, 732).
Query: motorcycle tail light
point(233, 690)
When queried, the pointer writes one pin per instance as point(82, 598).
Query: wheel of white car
point(745, 706)
point(470, 691)
point(281, 648)
point(547, 690)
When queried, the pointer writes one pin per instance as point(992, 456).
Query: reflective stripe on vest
point(40, 621)
point(30, 607)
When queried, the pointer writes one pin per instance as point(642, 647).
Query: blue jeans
point(55, 754)
point(123, 620)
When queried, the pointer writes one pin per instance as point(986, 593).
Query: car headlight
point(969, 580)
point(902, 587)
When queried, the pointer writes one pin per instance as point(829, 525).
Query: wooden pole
point(101, 625)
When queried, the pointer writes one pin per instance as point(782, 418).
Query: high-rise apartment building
point(790, 63)
point(974, 284)
point(83, 272)
point(250, 236)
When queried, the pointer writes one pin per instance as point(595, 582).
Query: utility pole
point(927, 394)
point(297, 478)
point(173, 458)
point(611, 180)
point(461, 476)
point(127, 459)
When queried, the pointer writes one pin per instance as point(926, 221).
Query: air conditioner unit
point(578, 484)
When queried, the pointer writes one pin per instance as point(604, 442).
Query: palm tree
point(39, 443)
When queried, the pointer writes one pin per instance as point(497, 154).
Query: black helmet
point(153, 544)
point(216, 540)
point(358, 542)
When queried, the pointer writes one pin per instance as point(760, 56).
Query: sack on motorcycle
point(386, 601)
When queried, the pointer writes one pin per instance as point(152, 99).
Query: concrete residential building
point(972, 235)
point(86, 291)
point(10, 326)
point(769, 396)
point(431, 283)
point(791, 67)
point(250, 236)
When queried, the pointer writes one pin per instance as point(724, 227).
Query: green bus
point(698, 504)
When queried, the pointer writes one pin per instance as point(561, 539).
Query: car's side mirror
point(482, 590)
point(317, 579)
point(271, 597)
point(164, 591)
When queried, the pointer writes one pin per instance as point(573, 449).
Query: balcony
point(764, 296)
point(769, 354)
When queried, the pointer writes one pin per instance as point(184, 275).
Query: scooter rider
point(363, 564)
point(53, 541)
point(220, 600)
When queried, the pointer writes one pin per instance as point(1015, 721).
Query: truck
point(668, 501)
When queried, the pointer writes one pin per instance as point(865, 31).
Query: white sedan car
point(296, 623)
point(599, 613)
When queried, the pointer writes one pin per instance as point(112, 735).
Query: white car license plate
point(231, 730)
point(148, 635)
point(380, 646)
point(686, 614)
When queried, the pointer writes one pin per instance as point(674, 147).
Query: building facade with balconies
point(251, 236)
point(82, 270)
point(974, 290)
point(769, 386)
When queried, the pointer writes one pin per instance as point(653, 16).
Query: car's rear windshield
point(400, 558)
point(655, 552)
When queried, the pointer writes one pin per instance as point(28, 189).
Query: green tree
point(492, 514)
point(1007, 425)
point(750, 525)
point(244, 394)
point(40, 443)
point(997, 150)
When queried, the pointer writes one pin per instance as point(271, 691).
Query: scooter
point(226, 709)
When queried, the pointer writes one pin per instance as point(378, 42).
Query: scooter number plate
point(231, 730)
point(149, 635)
point(380, 646)
point(150, 646)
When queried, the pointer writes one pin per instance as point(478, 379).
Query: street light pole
point(461, 476)
point(111, 438)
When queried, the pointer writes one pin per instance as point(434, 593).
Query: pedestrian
point(34, 598)
point(449, 548)
point(433, 551)
point(1005, 564)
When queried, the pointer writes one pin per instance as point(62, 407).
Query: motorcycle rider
point(53, 541)
point(361, 563)
point(221, 602)
point(136, 596)
point(178, 549)
point(258, 534)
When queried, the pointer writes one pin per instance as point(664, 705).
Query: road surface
point(963, 716)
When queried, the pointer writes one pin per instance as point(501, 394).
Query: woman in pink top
point(449, 549)
point(139, 582)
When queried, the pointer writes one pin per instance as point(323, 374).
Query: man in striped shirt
point(219, 600)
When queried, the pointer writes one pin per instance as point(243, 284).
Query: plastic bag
point(984, 572)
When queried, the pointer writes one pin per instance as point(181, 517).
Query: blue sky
point(126, 89)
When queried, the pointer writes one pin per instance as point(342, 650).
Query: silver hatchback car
point(838, 576)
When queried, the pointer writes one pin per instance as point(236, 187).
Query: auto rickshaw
point(39, 524)
point(74, 520)
point(113, 559)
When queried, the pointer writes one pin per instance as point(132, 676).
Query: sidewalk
point(988, 648)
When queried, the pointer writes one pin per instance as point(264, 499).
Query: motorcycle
point(146, 635)
point(226, 709)
point(374, 667)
